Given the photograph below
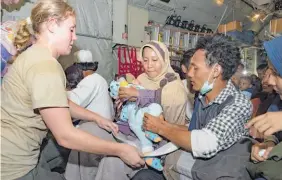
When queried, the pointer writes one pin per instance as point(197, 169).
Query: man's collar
point(222, 95)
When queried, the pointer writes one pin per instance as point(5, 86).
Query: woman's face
point(151, 63)
point(65, 35)
point(273, 79)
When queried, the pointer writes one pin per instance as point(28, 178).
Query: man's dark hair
point(262, 67)
point(222, 50)
point(187, 57)
point(88, 66)
point(73, 75)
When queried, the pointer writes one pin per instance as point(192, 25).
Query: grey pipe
point(92, 36)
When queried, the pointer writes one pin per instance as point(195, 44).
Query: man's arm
point(179, 127)
point(176, 134)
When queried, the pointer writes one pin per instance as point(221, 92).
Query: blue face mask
point(206, 86)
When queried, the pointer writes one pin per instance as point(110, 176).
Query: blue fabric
point(247, 94)
point(274, 52)
point(3, 65)
point(193, 122)
point(5, 55)
point(273, 108)
point(250, 90)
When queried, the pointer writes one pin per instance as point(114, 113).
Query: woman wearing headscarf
point(161, 83)
point(269, 153)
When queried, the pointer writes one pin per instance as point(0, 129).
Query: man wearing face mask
point(212, 145)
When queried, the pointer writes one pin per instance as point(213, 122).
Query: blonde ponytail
point(23, 37)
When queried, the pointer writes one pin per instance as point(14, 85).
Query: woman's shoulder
point(176, 83)
point(37, 56)
point(175, 88)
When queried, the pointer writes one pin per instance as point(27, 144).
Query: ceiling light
point(219, 2)
point(256, 16)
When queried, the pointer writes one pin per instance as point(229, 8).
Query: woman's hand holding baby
point(128, 93)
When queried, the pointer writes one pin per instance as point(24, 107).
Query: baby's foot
point(154, 163)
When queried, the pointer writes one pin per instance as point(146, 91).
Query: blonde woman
point(34, 100)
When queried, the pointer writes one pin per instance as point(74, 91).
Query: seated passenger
point(90, 92)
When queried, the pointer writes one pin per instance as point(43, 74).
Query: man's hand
point(152, 123)
point(258, 147)
point(268, 123)
point(128, 93)
point(107, 125)
point(254, 133)
point(131, 156)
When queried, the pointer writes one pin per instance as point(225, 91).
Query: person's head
point(236, 79)
point(74, 75)
point(186, 60)
point(215, 61)
point(267, 88)
point(85, 62)
point(155, 59)
point(245, 83)
point(254, 78)
point(273, 75)
point(256, 83)
point(273, 79)
point(261, 70)
point(240, 68)
point(53, 24)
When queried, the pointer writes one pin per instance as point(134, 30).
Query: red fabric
point(256, 102)
point(127, 62)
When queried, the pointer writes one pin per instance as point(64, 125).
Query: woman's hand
point(258, 147)
point(268, 123)
point(128, 93)
point(131, 156)
point(107, 125)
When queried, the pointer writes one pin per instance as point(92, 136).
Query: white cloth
point(202, 141)
point(92, 94)
point(83, 56)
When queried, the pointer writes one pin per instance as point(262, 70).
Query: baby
point(245, 86)
point(133, 114)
